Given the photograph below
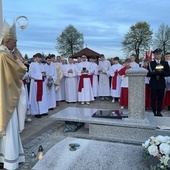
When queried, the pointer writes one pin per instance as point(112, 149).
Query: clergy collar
point(157, 61)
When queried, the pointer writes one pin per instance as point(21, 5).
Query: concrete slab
point(163, 122)
point(74, 114)
point(93, 155)
point(85, 115)
point(116, 130)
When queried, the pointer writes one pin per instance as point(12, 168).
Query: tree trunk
point(137, 55)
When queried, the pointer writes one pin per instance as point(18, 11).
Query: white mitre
point(8, 32)
point(13, 35)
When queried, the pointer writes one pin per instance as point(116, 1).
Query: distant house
point(90, 54)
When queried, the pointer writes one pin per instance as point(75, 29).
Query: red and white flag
point(148, 55)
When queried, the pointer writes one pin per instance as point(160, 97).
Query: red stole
point(122, 71)
point(114, 81)
point(81, 82)
point(39, 89)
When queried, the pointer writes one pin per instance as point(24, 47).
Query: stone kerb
point(136, 94)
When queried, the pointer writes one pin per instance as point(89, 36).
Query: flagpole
point(1, 15)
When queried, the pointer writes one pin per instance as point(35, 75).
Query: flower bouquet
point(158, 147)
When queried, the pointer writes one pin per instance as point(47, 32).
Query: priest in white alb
point(59, 83)
point(59, 76)
point(104, 81)
point(85, 72)
point(70, 74)
point(95, 84)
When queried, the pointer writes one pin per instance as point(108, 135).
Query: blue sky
point(102, 22)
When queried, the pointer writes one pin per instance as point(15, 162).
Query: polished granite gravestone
point(114, 114)
point(92, 155)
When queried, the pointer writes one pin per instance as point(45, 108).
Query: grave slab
point(93, 155)
point(76, 114)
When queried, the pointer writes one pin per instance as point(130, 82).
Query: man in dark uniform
point(157, 71)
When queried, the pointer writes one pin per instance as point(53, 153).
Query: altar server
point(38, 88)
point(51, 77)
point(116, 80)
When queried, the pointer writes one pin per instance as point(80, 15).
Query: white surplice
point(22, 108)
point(95, 85)
point(104, 81)
point(86, 93)
point(60, 93)
point(134, 65)
point(35, 73)
point(26, 89)
point(116, 92)
point(71, 94)
point(51, 72)
point(11, 150)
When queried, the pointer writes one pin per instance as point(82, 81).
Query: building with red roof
point(89, 53)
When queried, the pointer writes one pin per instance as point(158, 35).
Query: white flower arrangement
point(159, 147)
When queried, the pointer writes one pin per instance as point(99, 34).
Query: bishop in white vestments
point(11, 74)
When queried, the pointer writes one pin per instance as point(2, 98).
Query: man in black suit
point(157, 71)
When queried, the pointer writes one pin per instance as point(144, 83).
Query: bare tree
point(138, 39)
point(69, 42)
point(162, 38)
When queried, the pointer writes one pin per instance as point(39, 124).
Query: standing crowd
point(83, 81)
point(36, 88)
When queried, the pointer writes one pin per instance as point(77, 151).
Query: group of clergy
point(56, 81)
point(80, 81)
